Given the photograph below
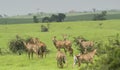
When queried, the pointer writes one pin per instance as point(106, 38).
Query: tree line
point(100, 16)
point(61, 16)
point(53, 18)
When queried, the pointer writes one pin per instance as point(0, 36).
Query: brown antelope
point(68, 44)
point(42, 46)
point(32, 40)
point(88, 57)
point(59, 44)
point(65, 44)
point(36, 46)
point(61, 58)
point(31, 48)
point(70, 51)
point(85, 44)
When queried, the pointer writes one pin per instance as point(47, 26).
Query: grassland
point(88, 29)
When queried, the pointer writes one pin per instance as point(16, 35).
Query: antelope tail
point(75, 60)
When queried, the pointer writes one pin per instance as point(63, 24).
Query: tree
point(94, 10)
point(58, 18)
point(1, 16)
point(35, 19)
point(46, 19)
point(100, 16)
point(61, 17)
point(104, 13)
point(5, 15)
point(54, 18)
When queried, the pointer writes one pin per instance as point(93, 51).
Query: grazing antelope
point(61, 58)
point(88, 57)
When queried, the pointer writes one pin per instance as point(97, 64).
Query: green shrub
point(16, 45)
point(44, 28)
point(110, 60)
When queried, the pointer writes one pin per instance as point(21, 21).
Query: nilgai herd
point(34, 45)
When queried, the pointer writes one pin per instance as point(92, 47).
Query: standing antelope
point(68, 44)
point(35, 46)
point(88, 57)
point(85, 44)
point(42, 46)
point(61, 58)
point(59, 44)
point(31, 48)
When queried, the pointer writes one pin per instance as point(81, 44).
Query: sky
point(21, 7)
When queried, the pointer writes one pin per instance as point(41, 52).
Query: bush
point(44, 28)
point(46, 19)
point(109, 58)
point(16, 45)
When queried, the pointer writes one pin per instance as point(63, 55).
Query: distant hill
point(71, 16)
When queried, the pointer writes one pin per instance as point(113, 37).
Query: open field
point(88, 29)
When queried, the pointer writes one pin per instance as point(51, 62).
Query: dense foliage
point(44, 28)
point(100, 16)
point(16, 45)
point(109, 54)
point(54, 18)
point(35, 19)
